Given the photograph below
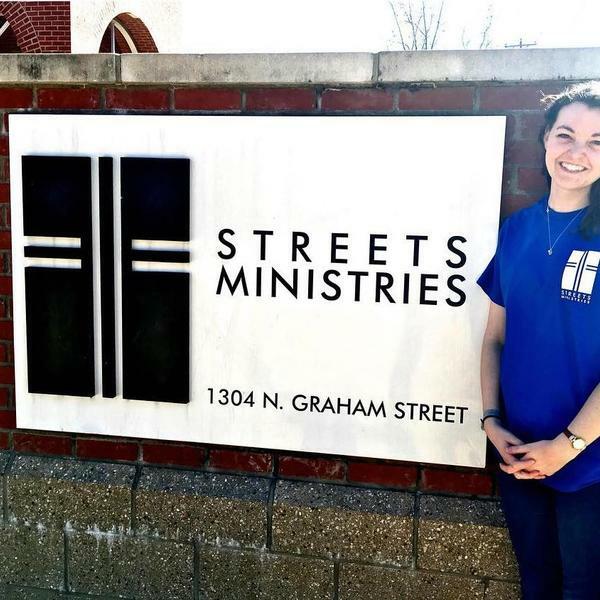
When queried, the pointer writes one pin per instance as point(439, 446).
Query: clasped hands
point(535, 460)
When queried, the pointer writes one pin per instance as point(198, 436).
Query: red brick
point(445, 98)
point(207, 99)
point(507, 97)
point(530, 125)
point(68, 98)
point(8, 419)
point(5, 284)
point(4, 443)
point(524, 152)
point(4, 172)
point(235, 460)
point(42, 444)
point(281, 99)
point(4, 145)
point(3, 353)
point(6, 330)
point(106, 449)
point(5, 240)
point(7, 374)
point(16, 97)
point(4, 304)
point(4, 397)
point(147, 99)
point(356, 100)
point(4, 192)
point(514, 202)
point(441, 480)
point(321, 468)
point(531, 181)
point(382, 474)
point(171, 454)
point(508, 177)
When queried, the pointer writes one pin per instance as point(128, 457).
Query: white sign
point(315, 292)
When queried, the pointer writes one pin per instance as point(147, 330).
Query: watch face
point(578, 444)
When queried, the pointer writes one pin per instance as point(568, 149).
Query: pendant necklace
point(550, 243)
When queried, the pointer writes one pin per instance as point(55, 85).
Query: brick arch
point(25, 33)
point(138, 32)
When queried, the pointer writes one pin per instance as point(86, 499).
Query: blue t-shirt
point(551, 356)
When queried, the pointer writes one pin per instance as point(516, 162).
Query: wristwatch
point(578, 443)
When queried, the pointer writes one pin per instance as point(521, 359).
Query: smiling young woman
point(540, 362)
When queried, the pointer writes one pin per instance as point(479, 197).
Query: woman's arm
point(491, 351)
point(552, 455)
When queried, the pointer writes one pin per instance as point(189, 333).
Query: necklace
point(550, 243)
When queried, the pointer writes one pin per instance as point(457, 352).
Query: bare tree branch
point(398, 26)
point(417, 26)
point(487, 26)
point(437, 25)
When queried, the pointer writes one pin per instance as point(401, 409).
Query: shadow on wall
point(8, 39)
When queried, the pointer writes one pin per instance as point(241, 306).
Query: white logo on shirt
point(579, 276)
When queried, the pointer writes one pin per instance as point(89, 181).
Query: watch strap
point(577, 442)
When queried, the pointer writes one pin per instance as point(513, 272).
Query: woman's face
point(573, 148)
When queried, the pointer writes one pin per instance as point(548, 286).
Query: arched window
point(127, 34)
point(8, 39)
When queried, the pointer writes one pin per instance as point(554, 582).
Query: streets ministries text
point(374, 282)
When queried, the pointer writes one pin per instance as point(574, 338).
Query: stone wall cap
point(69, 469)
point(58, 68)
point(304, 69)
point(350, 68)
point(326, 495)
point(201, 483)
point(511, 64)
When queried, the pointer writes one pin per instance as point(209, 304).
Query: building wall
point(163, 18)
point(148, 519)
point(39, 26)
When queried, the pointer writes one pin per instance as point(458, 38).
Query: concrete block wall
point(151, 519)
point(118, 530)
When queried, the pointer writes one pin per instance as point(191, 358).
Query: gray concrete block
point(141, 568)
point(57, 492)
point(466, 536)
point(353, 68)
point(517, 64)
point(242, 575)
point(342, 521)
point(365, 581)
point(57, 68)
point(210, 507)
point(4, 458)
point(31, 557)
point(503, 590)
point(22, 593)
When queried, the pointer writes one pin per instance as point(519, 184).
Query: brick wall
point(43, 26)
point(522, 185)
point(448, 537)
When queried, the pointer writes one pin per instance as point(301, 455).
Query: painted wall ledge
point(343, 69)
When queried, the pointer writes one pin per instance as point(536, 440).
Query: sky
point(367, 25)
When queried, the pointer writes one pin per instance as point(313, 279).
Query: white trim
point(4, 28)
point(146, 265)
point(159, 245)
point(53, 242)
point(53, 263)
point(125, 34)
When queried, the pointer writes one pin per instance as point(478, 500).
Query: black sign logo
point(59, 276)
